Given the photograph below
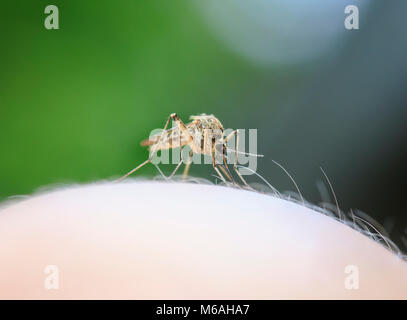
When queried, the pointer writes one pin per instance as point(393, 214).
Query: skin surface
point(158, 240)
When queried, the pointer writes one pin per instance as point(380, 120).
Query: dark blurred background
point(76, 102)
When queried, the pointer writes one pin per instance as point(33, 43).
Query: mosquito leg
point(241, 177)
point(224, 168)
point(219, 174)
point(152, 151)
point(155, 147)
point(175, 170)
point(134, 170)
point(187, 165)
point(215, 166)
point(226, 173)
point(183, 129)
point(230, 135)
point(229, 175)
point(236, 134)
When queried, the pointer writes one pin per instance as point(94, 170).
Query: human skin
point(162, 240)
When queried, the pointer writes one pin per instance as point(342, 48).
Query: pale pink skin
point(155, 240)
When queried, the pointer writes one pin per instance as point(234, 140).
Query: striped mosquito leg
point(229, 175)
point(132, 171)
point(216, 167)
point(236, 134)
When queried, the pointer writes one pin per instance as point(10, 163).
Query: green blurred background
point(76, 102)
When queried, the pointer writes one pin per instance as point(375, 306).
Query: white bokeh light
point(277, 31)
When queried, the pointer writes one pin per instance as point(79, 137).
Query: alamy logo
point(52, 20)
point(238, 149)
point(352, 19)
point(352, 280)
point(52, 278)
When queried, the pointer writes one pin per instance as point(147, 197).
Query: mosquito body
point(204, 134)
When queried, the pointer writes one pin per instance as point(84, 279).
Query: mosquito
point(204, 134)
